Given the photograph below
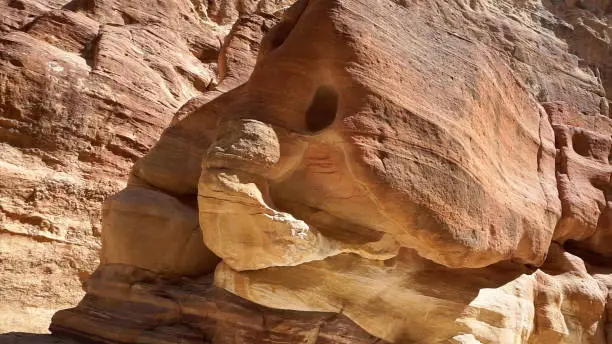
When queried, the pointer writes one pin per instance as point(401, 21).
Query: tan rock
point(147, 308)
point(368, 151)
point(174, 163)
point(228, 11)
point(425, 302)
point(154, 231)
point(86, 88)
point(411, 165)
point(584, 146)
point(376, 149)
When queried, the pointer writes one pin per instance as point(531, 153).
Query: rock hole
point(16, 62)
point(580, 143)
point(16, 4)
point(580, 4)
point(322, 111)
point(89, 52)
point(277, 35)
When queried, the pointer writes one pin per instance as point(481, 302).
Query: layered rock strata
point(86, 88)
point(435, 171)
point(146, 308)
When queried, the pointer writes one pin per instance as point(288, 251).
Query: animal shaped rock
point(429, 171)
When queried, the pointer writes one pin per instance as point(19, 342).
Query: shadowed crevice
point(322, 111)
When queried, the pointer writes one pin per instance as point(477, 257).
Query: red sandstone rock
point(86, 88)
point(146, 308)
point(434, 171)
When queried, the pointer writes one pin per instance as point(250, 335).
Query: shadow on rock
point(33, 338)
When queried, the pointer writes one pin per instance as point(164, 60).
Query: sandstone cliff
point(373, 171)
point(86, 88)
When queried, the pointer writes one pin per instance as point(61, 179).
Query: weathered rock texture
point(191, 311)
point(429, 171)
point(86, 88)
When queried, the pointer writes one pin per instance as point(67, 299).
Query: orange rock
point(428, 171)
point(86, 88)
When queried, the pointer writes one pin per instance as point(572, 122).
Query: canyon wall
point(353, 171)
point(86, 88)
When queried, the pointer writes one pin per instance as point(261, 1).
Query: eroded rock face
point(86, 88)
point(424, 171)
point(435, 171)
point(191, 311)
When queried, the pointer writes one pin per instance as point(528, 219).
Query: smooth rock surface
point(502, 303)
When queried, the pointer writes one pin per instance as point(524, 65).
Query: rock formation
point(86, 88)
point(406, 171)
point(445, 180)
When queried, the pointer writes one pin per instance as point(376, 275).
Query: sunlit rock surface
point(86, 88)
point(364, 172)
